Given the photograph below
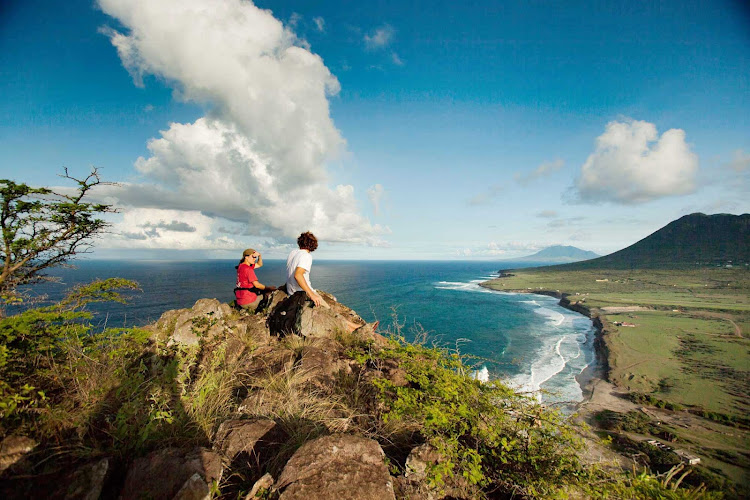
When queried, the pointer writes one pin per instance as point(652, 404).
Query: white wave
point(555, 318)
point(471, 286)
point(483, 374)
point(560, 354)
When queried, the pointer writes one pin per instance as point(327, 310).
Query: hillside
point(692, 240)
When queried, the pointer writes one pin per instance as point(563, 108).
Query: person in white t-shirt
point(298, 266)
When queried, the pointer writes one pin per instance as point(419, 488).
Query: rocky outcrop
point(338, 466)
point(188, 326)
point(243, 454)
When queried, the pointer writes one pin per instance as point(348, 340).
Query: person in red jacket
point(248, 291)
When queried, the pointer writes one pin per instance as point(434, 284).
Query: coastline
point(596, 373)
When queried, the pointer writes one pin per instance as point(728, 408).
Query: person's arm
point(260, 286)
point(259, 262)
point(299, 275)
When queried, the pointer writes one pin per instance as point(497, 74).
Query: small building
point(687, 458)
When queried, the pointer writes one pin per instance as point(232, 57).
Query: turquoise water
point(528, 340)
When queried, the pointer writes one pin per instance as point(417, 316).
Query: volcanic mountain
point(692, 240)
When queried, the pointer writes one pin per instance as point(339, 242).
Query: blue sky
point(426, 130)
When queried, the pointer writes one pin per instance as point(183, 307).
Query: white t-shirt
point(297, 258)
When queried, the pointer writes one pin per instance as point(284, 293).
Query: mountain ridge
point(692, 240)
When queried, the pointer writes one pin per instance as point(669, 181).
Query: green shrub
point(487, 434)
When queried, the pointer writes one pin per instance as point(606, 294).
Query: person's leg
point(252, 306)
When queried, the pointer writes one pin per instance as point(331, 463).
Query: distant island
point(556, 254)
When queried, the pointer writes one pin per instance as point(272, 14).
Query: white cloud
point(146, 228)
point(259, 154)
point(375, 194)
point(379, 38)
point(543, 170)
point(632, 164)
point(396, 59)
point(320, 23)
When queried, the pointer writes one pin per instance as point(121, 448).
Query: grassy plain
point(690, 344)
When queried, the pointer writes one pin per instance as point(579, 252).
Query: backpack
point(285, 317)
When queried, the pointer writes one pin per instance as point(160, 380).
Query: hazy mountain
point(695, 239)
point(556, 254)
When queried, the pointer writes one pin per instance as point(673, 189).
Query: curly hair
point(307, 241)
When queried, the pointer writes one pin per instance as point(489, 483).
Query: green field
point(690, 347)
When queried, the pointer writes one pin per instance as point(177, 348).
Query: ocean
point(527, 340)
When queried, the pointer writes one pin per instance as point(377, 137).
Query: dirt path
point(717, 315)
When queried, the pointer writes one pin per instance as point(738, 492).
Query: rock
point(337, 466)
point(188, 326)
point(195, 488)
point(271, 300)
point(320, 360)
point(296, 314)
point(420, 459)
point(13, 449)
point(414, 484)
point(258, 440)
point(367, 332)
point(260, 487)
point(163, 473)
point(86, 483)
point(319, 322)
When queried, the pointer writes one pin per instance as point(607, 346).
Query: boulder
point(337, 466)
point(254, 441)
point(188, 326)
point(87, 481)
point(163, 473)
point(13, 449)
point(320, 322)
point(297, 314)
point(321, 360)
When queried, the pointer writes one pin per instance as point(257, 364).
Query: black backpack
point(285, 317)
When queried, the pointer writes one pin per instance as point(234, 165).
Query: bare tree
point(42, 228)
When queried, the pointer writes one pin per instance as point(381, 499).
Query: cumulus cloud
point(380, 37)
point(740, 161)
point(543, 170)
point(320, 23)
point(186, 230)
point(633, 164)
point(258, 156)
point(175, 225)
point(375, 194)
